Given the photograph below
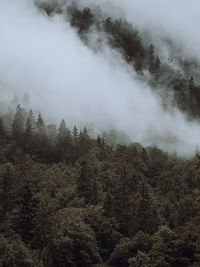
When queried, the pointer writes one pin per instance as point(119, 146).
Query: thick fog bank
point(65, 79)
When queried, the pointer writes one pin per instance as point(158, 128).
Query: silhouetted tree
point(64, 143)
point(18, 125)
point(87, 184)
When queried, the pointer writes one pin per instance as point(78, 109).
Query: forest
point(71, 198)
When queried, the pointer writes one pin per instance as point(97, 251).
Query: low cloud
point(65, 79)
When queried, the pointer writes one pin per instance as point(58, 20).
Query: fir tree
point(18, 124)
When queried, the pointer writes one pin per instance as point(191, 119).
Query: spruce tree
point(42, 146)
point(64, 143)
point(40, 125)
point(87, 184)
point(18, 125)
point(28, 136)
point(2, 130)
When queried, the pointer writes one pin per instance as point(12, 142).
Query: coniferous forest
point(70, 198)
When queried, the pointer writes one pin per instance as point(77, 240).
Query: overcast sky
point(66, 79)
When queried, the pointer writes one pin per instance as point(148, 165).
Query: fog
point(65, 79)
point(178, 20)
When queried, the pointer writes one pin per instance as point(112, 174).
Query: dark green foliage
point(24, 222)
point(87, 183)
point(82, 19)
point(124, 37)
point(84, 142)
point(6, 181)
point(75, 201)
point(154, 61)
point(63, 143)
point(40, 126)
point(73, 242)
point(41, 142)
point(18, 124)
point(28, 134)
point(142, 259)
point(15, 253)
point(146, 217)
point(2, 130)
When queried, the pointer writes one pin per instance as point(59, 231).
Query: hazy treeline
point(174, 83)
point(70, 200)
point(89, 64)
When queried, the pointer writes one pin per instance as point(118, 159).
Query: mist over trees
point(122, 80)
point(164, 78)
point(71, 197)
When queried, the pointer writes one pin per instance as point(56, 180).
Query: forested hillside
point(73, 196)
point(178, 83)
point(71, 200)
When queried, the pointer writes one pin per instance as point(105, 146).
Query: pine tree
point(154, 62)
point(28, 136)
point(2, 130)
point(75, 134)
point(87, 184)
point(6, 180)
point(147, 219)
point(62, 131)
point(40, 125)
point(75, 139)
point(42, 146)
point(64, 143)
point(84, 142)
point(32, 118)
point(24, 224)
point(18, 125)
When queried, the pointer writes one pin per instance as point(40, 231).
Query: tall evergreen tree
point(18, 125)
point(64, 143)
point(147, 219)
point(87, 184)
point(28, 136)
point(40, 125)
point(62, 131)
point(75, 145)
point(75, 134)
point(2, 130)
point(42, 146)
point(84, 141)
point(6, 182)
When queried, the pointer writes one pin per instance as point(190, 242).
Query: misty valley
point(99, 134)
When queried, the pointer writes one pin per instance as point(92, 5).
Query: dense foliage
point(70, 200)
